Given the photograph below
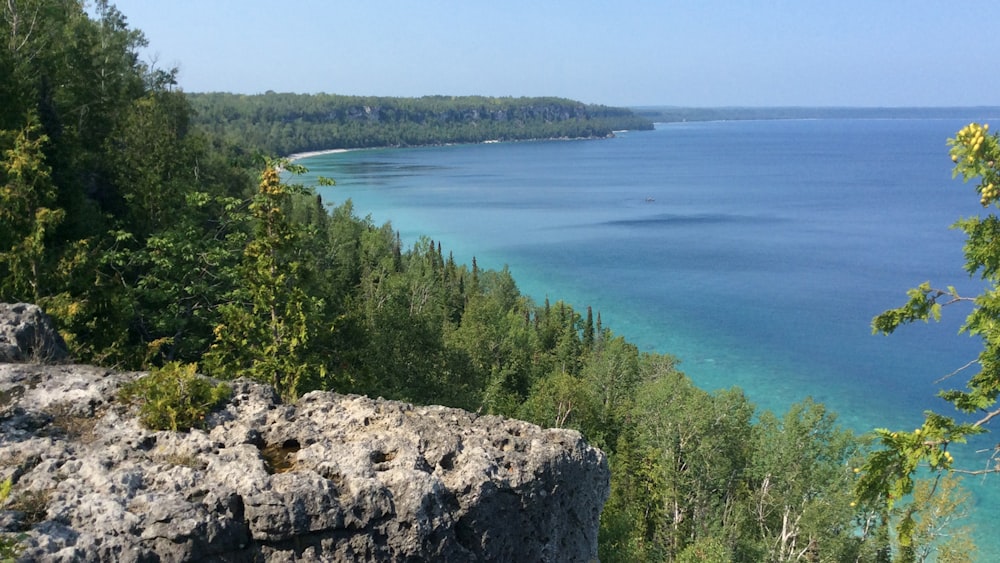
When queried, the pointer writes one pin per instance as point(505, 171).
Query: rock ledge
point(329, 478)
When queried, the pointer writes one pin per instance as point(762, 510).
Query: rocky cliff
point(329, 478)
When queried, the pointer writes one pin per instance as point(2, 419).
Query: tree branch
point(989, 416)
point(956, 372)
point(977, 472)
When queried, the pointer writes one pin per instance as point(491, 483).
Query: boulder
point(329, 478)
point(27, 335)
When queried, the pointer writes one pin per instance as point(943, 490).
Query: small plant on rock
point(174, 397)
point(10, 546)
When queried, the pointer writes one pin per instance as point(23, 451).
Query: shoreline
point(300, 155)
point(308, 154)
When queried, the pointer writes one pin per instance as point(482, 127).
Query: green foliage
point(928, 523)
point(693, 445)
point(889, 474)
point(267, 328)
point(801, 492)
point(922, 306)
point(9, 543)
point(10, 547)
point(695, 478)
point(175, 397)
point(612, 372)
point(559, 401)
point(292, 123)
point(26, 216)
point(85, 126)
point(179, 250)
point(707, 550)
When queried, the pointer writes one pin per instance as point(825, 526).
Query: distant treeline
point(670, 114)
point(290, 123)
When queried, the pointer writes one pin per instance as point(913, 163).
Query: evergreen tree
point(588, 329)
point(268, 328)
point(27, 216)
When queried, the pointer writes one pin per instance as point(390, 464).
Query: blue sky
point(622, 52)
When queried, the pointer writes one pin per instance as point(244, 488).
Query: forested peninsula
point(282, 123)
point(155, 230)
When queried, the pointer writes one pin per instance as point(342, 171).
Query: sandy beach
point(301, 155)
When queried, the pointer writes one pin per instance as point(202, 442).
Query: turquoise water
point(755, 251)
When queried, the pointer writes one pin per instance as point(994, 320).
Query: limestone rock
point(329, 478)
point(27, 334)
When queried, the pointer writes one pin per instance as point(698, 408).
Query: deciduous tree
point(890, 473)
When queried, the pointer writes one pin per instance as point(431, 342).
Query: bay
point(755, 251)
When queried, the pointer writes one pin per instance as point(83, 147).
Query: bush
point(174, 397)
point(705, 550)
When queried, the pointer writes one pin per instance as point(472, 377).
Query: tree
point(268, 328)
point(27, 214)
point(800, 488)
point(153, 160)
point(611, 373)
point(498, 341)
point(937, 505)
point(889, 473)
point(588, 328)
point(96, 165)
point(676, 472)
point(560, 401)
point(287, 123)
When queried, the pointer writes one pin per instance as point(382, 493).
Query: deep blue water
point(755, 251)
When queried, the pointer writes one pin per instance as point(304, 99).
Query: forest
point(283, 124)
point(135, 215)
point(671, 114)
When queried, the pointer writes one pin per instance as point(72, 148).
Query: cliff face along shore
point(331, 477)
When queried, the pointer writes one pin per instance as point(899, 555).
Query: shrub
point(174, 397)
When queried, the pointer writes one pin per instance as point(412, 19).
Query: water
point(755, 251)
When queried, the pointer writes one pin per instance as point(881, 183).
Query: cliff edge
point(329, 478)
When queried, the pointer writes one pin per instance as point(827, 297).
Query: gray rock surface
point(27, 334)
point(329, 478)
